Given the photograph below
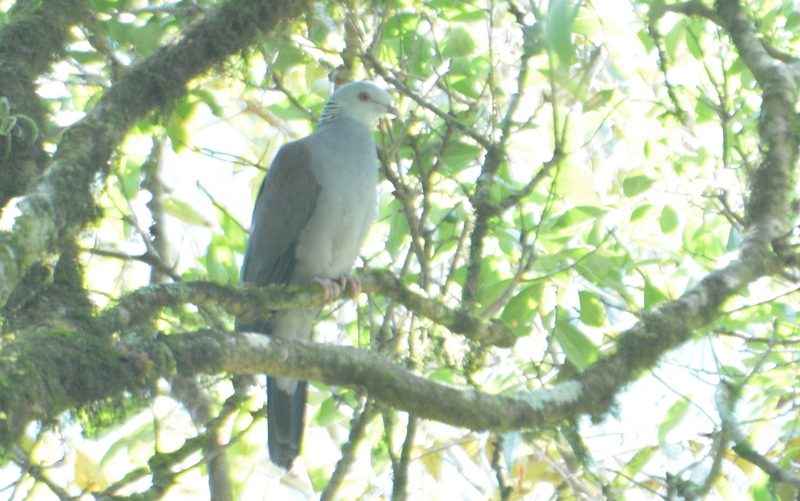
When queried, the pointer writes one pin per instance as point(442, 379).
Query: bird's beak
point(392, 110)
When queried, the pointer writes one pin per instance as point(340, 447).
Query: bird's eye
point(364, 96)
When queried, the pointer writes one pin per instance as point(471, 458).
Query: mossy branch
point(61, 204)
point(251, 304)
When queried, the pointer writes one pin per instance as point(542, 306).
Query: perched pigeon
point(313, 211)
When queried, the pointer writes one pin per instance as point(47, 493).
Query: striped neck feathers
point(330, 113)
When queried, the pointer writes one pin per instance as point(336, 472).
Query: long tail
point(286, 409)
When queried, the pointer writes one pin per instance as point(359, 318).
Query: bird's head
point(362, 101)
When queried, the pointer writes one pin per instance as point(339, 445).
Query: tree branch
point(725, 400)
point(139, 361)
point(34, 38)
point(358, 430)
point(61, 204)
point(253, 303)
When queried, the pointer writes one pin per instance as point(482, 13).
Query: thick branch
point(209, 351)
point(30, 43)
point(61, 204)
point(768, 209)
point(137, 362)
point(640, 348)
point(65, 378)
point(251, 304)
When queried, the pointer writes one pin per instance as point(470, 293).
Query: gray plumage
point(312, 213)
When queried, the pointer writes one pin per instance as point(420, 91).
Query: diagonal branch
point(61, 204)
point(640, 348)
point(725, 400)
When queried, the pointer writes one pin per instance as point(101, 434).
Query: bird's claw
point(332, 288)
point(353, 282)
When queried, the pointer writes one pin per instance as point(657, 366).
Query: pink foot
point(329, 287)
point(353, 282)
point(332, 288)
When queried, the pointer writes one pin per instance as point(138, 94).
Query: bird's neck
point(331, 113)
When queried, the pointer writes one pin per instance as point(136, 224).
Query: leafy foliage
point(563, 167)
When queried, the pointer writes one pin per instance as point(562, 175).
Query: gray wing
point(285, 203)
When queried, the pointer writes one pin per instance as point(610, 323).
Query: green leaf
point(458, 10)
point(598, 100)
point(146, 38)
point(592, 311)
point(602, 269)
point(693, 44)
point(646, 40)
point(634, 466)
point(559, 29)
point(521, 309)
point(470, 14)
point(673, 418)
point(577, 347)
point(420, 64)
point(287, 110)
point(178, 136)
point(668, 219)
point(132, 444)
point(129, 176)
point(763, 490)
point(26, 128)
point(210, 100)
point(578, 215)
point(447, 376)
point(119, 32)
point(5, 109)
point(635, 184)
point(493, 288)
point(7, 125)
point(574, 182)
point(398, 230)
point(465, 86)
point(462, 66)
point(290, 56)
point(234, 233)
point(640, 212)
point(185, 212)
point(653, 295)
point(709, 239)
point(459, 155)
point(598, 233)
point(215, 269)
point(328, 413)
point(86, 57)
point(673, 39)
point(103, 5)
point(792, 21)
point(704, 113)
point(401, 24)
point(457, 43)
